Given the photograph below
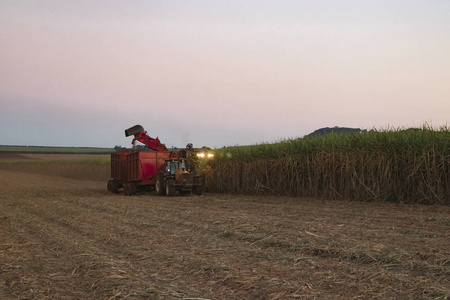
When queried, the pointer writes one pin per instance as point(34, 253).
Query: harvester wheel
point(197, 190)
point(113, 186)
point(170, 187)
point(159, 185)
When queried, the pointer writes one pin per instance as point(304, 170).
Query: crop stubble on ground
point(71, 239)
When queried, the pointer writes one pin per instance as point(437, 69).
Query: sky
point(218, 73)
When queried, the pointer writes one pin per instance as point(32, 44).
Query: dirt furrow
point(63, 238)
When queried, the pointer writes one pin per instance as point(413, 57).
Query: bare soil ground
point(71, 239)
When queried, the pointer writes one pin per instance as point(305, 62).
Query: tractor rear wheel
point(159, 185)
point(170, 187)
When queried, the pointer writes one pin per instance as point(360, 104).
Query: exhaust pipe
point(134, 130)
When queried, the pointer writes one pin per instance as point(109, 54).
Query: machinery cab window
point(172, 165)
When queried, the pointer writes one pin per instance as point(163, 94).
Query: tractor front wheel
point(170, 187)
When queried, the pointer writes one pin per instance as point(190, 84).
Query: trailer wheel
point(170, 187)
point(113, 186)
point(130, 188)
point(159, 185)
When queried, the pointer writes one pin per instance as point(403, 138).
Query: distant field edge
point(54, 150)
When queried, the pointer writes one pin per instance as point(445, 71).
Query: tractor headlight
point(205, 155)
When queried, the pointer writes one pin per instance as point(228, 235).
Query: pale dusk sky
point(218, 73)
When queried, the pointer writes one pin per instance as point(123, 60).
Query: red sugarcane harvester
point(162, 170)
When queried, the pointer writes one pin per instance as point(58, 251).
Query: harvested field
point(62, 156)
point(78, 166)
point(15, 156)
point(70, 239)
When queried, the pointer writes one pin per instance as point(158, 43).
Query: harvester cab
point(196, 158)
